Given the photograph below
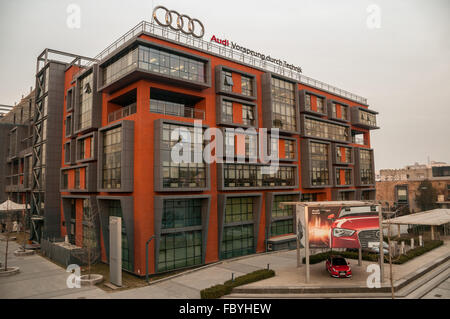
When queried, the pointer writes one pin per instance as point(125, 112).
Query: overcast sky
point(402, 67)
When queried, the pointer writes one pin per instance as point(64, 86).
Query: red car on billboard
point(354, 227)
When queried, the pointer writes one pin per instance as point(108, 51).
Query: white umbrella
point(9, 205)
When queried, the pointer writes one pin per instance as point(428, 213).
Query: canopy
point(435, 217)
point(9, 205)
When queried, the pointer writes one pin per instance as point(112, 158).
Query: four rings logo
point(171, 16)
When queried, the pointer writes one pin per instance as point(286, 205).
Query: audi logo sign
point(192, 26)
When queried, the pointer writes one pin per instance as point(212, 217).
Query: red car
point(355, 227)
point(338, 267)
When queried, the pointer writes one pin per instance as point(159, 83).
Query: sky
point(394, 53)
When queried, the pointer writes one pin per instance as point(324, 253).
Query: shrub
point(218, 291)
point(413, 253)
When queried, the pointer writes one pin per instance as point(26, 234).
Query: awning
point(435, 217)
point(9, 205)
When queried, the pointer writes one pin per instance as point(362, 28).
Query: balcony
point(364, 118)
point(122, 113)
point(174, 109)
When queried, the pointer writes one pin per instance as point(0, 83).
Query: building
point(399, 187)
point(109, 123)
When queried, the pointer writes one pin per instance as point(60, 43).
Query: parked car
point(338, 267)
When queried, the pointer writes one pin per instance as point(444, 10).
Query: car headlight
point(342, 232)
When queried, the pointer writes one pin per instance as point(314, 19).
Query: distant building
point(399, 187)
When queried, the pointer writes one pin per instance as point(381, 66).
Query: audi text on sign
point(193, 26)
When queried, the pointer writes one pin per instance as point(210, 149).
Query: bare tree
point(89, 254)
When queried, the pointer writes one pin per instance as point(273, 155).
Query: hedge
point(413, 253)
point(218, 291)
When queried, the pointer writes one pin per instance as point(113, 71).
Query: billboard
point(340, 226)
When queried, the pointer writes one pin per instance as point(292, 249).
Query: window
point(73, 222)
point(367, 174)
point(289, 149)
point(287, 211)
point(251, 146)
point(343, 155)
point(343, 176)
point(237, 241)
point(115, 209)
point(283, 105)
point(334, 110)
point(227, 111)
point(320, 175)
point(112, 154)
point(344, 112)
point(282, 227)
point(182, 213)
point(227, 81)
point(248, 175)
point(248, 117)
point(358, 138)
point(67, 158)
point(308, 102)
point(342, 196)
point(183, 175)
point(309, 197)
point(448, 192)
point(120, 66)
point(81, 147)
point(65, 180)
point(402, 194)
point(180, 250)
point(68, 123)
point(320, 105)
point(367, 118)
point(77, 178)
point(247, 87)
point(239, 209)
point(330, 131)
point(86, 100)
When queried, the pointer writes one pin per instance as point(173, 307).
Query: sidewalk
point(38, 279)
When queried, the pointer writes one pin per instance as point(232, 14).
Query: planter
point(10, 272)
point(95, 279)
point(26, 252)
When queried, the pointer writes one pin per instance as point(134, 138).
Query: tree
point(89, 254)
point(427, 196)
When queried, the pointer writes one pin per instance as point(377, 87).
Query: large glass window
point(325, 130)
point(180, 250)
point(286, 211)
point(86, 100)
point(367, 174)
point(343, 154)
point(282, 227)
point(320, 105)
point(120, 66)
point(239, 209)
point(77, 178)
point(237, 241)
point(283, 105)
point(112, 154)
point(237, 175)
point(320, 174)
point(183, 175)
point(170, 64)
point(182, 213)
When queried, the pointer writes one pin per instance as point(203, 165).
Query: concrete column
point(420, 241)
point(402, 248)
point(432, 232)
point(412, 243)
point(398, 228)
point(360, 256)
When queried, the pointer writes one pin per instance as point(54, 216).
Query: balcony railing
point(223, 51)
point(175, 109)
point(123, 112)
